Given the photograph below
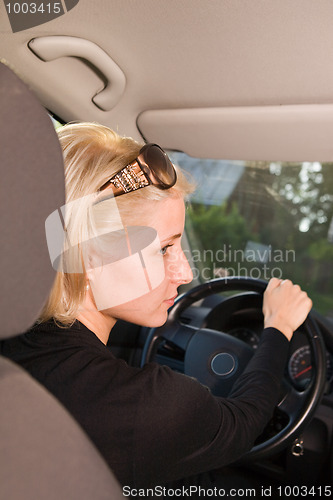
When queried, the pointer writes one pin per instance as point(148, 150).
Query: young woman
point(122, 259)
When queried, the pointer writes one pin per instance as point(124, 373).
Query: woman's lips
point(171, 301)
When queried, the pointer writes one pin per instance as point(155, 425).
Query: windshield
point(263, 219)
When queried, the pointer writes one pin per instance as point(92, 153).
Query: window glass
point(263, 219)
point(55, 122)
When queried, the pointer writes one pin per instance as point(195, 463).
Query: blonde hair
point(92, 154)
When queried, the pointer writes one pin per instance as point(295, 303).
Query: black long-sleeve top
point(152, 425)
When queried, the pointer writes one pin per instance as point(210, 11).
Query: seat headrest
point(31, 187)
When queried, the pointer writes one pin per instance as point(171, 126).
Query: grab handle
point(52, 47)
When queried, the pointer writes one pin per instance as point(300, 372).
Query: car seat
point(44, 454)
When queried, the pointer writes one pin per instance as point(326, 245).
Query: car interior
point(44, 452)
point(240, 95)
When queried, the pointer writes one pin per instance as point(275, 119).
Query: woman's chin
point(155, 321)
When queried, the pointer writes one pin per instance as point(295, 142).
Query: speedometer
point(300, 367)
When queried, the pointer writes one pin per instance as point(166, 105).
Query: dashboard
point(307, 455)
point(240, 316)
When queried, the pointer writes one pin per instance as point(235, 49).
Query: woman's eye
point(163, 250)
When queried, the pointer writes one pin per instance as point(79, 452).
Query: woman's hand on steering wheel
point(285, 306)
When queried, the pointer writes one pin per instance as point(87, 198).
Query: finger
point(273, 283)
point(286, 282)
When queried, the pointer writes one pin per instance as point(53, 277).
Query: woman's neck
point(99, 323)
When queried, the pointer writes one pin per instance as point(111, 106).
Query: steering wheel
point(217, 358)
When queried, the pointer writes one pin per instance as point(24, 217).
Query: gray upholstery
point(44, 454)
point(31, 187)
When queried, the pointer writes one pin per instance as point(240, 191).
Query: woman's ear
point(90, 264)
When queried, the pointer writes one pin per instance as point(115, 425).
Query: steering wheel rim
point(309, 398)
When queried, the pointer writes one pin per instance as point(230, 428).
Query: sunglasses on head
point(151, 167)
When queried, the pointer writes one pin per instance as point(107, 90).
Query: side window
point(263, 219)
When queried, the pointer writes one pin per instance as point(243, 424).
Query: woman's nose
point(180, 271)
